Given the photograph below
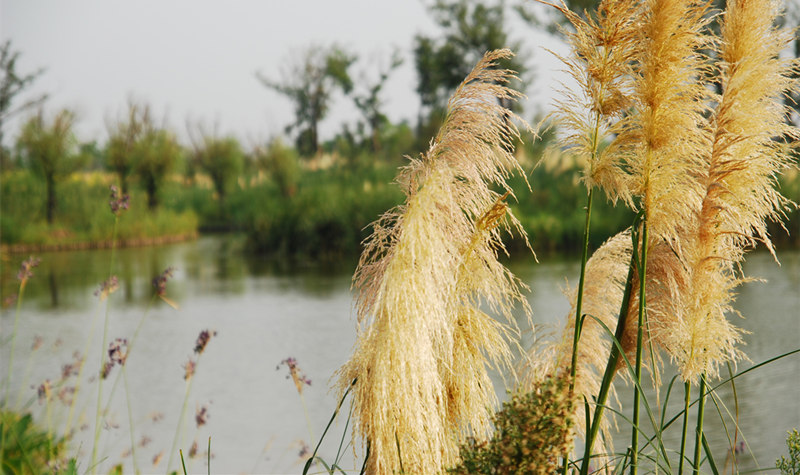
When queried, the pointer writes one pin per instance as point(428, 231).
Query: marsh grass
point(27, 448)
point(83, 220)
point(426, 269)
point(700, 170)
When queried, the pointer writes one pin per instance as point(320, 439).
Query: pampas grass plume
point(427, 271)
point(739, 182)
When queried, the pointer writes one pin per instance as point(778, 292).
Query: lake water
point(266, 312)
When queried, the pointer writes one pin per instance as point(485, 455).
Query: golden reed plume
point(430, 265)
point(602, 54)
point(701, 166)
point(738, 180)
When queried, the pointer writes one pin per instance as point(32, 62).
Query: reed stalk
point(7, 382)
point(641, 267)
point(611, 368)
point(687, 392)
point(24, 274)
point(98, 413)
point(190, 369)
point(698, 442)
point(130, 418)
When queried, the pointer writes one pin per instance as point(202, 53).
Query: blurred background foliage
point(296, 194)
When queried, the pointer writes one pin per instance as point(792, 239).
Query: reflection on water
point(265, 311)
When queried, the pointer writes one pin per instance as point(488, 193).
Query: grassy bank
point(83, 219)
point(327, 214)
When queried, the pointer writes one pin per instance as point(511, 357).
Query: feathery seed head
point(738, 181)
point(423, 341)
point(664, 136)
point(601, 64)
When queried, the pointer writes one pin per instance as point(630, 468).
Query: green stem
point(7, 383)
point(183, 412)
point(642, 267)
point(308, 419)
point(699, 431)
point(130, 348)
point(611, 369)
point(578, 309)
point(579, 300)
point(180, 421)
point(130, 419)
point(4, 403)
point(98, 413)
point(687, 390)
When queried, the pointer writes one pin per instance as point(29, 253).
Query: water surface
point(265, 312)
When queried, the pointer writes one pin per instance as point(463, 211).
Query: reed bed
point(683, 125)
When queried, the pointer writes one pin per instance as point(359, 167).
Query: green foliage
point(223, 160)
point(791, 465)
point(50, 150)
point(156, 154)
point(532, 432)
point(326, 217)
point(84, 216)
point(281, 164)
point(309, 82)
point(553, 214)
point(470, 29)
point(12, 83)
point(122, 139)
point(29, 449)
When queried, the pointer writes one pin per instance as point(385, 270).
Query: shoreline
point(21, 248)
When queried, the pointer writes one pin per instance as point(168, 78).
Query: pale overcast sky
point(196, 59)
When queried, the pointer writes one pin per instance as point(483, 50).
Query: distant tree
point(370, 104)
point(281, 163)
point(12, 83)
point(221, 158)
point(792, 21)
point(51, 151)
point(122, 138)
point(156, 153)
point(471, 28)
point(309, 82)
point(92, 157)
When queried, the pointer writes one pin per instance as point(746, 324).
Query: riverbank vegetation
point(659, 182)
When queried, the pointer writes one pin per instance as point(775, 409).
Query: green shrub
point(791, 466)
point(29, 449)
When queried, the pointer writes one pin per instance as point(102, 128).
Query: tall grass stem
point(611, 367)
point(687, 390)
point(7, 384)
point(642, 271)
point(130, 419)
point(698, 443)
point(99, 413)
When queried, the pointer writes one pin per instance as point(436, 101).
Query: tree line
point(144, 149)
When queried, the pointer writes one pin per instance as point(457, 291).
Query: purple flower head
point(26, 269)
point(43, 391)
point(107, 288)
point(189, 369)
point(295, 373)
point(119, 202)
point(193, 450)
point(160, 282)
point(202, 340)
point(117, 354)
point(201, 415)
